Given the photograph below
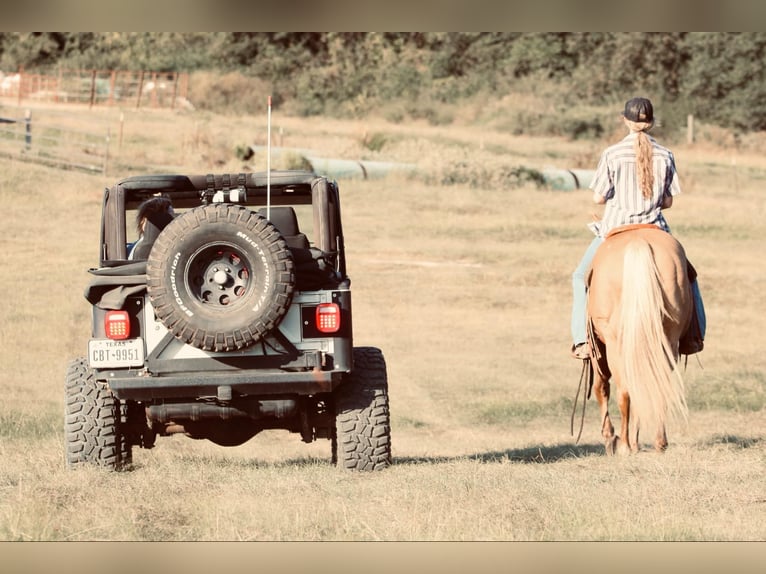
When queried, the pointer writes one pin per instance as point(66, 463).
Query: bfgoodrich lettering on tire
point(362, 421)
point(93, 421)
point(220, 277)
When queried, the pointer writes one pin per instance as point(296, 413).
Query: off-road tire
point(362, 438)
point(220, 277)
point(93, 421)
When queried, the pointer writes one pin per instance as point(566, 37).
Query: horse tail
point(650, 370)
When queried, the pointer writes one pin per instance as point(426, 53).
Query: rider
point(635, 179)
point(153, 216)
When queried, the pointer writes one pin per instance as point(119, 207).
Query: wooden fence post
point(140, 90)
point(21, 83)
point(122, 126)
point(690, 129)
point(155, 85)
point(175, 91)
point(28, 134)
point(106, 152)
point(112, 86)
point(92, 88)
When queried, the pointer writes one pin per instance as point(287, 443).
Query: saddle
point(631, 227)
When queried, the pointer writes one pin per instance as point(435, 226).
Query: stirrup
point(581, 351)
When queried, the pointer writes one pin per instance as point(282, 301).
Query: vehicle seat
point(311, 270)
point(286, 222)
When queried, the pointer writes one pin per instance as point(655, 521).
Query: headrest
point(159, 219)
point(284, 219)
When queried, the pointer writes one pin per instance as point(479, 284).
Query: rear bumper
point(222, 385)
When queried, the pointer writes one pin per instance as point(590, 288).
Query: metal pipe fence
point(98, 88)
point(40, 142)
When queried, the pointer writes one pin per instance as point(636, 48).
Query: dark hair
point(156, 210)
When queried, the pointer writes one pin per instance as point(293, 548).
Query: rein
point(586, 377)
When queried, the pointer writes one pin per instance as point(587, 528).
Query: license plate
point(106, 353)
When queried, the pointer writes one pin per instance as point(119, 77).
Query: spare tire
point(220, 277)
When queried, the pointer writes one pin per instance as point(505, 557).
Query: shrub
point(374, 142)
point(230, 93)
point(478, 176)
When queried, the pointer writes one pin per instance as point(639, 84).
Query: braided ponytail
point(644, 150)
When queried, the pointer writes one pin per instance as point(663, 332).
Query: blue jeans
point(580, 295)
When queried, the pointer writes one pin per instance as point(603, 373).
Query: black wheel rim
point(219, 275)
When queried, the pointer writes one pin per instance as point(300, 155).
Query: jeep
point(237, 320)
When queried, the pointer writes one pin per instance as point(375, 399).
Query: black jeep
point(236, 322)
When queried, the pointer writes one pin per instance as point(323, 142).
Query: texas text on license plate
point(111, 354)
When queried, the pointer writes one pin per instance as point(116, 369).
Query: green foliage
point(159, 52)
point(725, 81)
point(716, 76)
point(31, 49)
point(621, 65)
point(548, 53)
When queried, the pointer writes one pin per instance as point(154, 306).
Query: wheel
point(220, 277)
point(93, 421)
point(362, 438)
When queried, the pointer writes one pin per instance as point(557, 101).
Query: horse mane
point(650, 368)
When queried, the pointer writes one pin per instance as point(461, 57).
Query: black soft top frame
point(285, 187)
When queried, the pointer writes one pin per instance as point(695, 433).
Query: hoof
point(611, 446)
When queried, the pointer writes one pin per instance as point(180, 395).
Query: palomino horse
point(639, 304)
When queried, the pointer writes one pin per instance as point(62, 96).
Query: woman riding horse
point(636, 179)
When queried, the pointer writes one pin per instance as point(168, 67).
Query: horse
point(639, 305)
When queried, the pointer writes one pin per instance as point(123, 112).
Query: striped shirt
point(616, 179)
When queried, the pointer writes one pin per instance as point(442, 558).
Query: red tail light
point(117, 325)
point(328, 318)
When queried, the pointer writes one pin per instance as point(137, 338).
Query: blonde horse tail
point(650, 370)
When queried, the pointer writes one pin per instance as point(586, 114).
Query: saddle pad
point(631, 227)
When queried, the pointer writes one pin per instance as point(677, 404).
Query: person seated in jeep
point(152, 217)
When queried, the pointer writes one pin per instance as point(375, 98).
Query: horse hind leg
point(661, 440)
point(624, 446)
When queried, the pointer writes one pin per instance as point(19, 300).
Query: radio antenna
point(268, 166)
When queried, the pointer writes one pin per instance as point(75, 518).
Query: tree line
point(716, 75)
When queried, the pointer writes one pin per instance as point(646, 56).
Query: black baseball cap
point(639, 110)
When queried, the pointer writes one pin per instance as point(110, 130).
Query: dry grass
point(467, 291)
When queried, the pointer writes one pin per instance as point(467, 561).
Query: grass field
point(466, 290)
